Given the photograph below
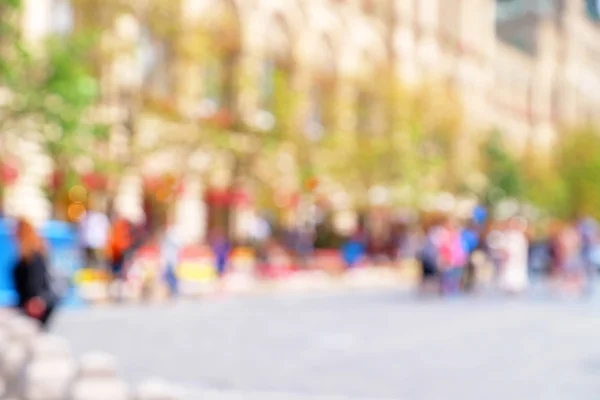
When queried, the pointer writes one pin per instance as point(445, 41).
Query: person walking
point(588, 232)
point(452, 258)
point(514, 276)
point(429, 259)
point(556, 254)
point(32, 281)
point(470, 242)
point(353, 250)
point(119, 244)
point(93, 228)
point(221, 248)
point(169, 252)
point(573, 267)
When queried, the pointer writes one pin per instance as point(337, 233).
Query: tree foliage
point(503, 170)
point(406, 144)
point(578, 161)
point(567, 187)
point(384, 134)
point(52, 93)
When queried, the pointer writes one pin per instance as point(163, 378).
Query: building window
point(146, 54)
point(213, 79)
point(322, 111)
point(219, 83)
point(275, 85)
point(228, 81)
point(593, 8)
point(276, 69)
point(219, 69)
point(508, 9)
point(275, 94)
point(370, 113)
point(316, 116)
point(160, 78)
point(154, 55)
point(364, 112)
point(267, 84)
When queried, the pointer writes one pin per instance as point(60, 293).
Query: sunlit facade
point(523, 68)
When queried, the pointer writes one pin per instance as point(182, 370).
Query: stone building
point(524, 67)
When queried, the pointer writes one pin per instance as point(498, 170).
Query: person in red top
point(118, 247)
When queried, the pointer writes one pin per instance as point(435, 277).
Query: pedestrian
point(93, 229)
point(572, 267)
point(470, 241)
point(31, 275)
point(452, 257)
point(588, 232)
point(119, 246)
point(221, 247)
point(169, 252)
point(555, 253)
point(353, 250)
point(429, 259)
point(514, 275)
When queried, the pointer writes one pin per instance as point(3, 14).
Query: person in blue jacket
point(221, 248)
point(169, 251)
point(353, 250)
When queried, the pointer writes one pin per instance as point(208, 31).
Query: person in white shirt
point(514, 276)
point(93, 228)
point(169, 252)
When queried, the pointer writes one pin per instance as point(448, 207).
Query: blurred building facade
point(525, 67)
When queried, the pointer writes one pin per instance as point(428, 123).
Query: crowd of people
point(448, 255)
point(450, 252)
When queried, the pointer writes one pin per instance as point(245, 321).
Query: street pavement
point(379, 345)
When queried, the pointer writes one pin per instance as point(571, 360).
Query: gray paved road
point(357, 346)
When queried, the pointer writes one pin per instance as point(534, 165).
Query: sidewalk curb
point(309, 282)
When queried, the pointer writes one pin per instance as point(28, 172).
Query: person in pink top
point(452, 258)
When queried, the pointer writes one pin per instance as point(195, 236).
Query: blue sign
point(64, 259)
point(8, 256)
point(65, 253)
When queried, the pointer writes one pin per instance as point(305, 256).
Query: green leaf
point(14, 4)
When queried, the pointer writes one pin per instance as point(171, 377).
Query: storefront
point(72, 196)
point(223, 206)
point(159, 196)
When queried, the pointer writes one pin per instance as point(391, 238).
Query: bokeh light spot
point(78, 194)
point(76, 211)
